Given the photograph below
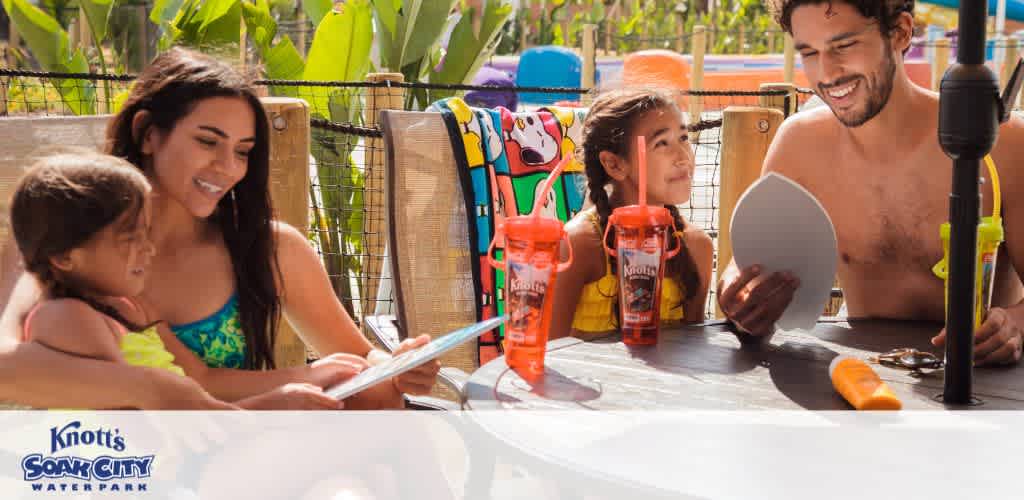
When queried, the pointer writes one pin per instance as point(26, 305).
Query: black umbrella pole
point(963, 240)
point(968, 124)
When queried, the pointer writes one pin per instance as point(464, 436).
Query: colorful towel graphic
point(503, 157)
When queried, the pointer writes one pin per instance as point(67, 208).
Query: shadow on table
point(806, 383)
point(880, 335)
point(553, 387)
point(712, 349)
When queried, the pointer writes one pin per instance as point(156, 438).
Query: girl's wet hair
point(609, 127)
point(64, 200)
point(169, 89)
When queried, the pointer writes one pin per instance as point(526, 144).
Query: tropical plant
point(340, 52)
point(51, 47)
point(409, 42)
point(209, 25)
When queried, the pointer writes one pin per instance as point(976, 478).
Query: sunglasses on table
point(911, 359)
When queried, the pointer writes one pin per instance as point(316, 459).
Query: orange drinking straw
point(550, 181)
point(641, 159)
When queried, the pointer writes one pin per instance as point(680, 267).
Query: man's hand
point(997, 342)
point(754, 302)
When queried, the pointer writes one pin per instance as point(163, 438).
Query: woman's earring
point(234, 206)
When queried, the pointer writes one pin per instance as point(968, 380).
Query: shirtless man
point(872, 157)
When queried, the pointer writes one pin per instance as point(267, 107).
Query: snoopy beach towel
point(503, 159)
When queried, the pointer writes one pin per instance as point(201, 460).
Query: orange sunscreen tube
point(860, 385)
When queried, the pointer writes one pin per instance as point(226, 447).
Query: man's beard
point(879, 88)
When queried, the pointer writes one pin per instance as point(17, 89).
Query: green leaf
point(164, 11)
point(341, 46)
point(340, 50)
point(387, 15)
point(466, 51)
point(281, 61)
point(316, 9)
point(259, 23)
point(423, 27)
point(97, 13)
point(220, 27)
point(213, 11)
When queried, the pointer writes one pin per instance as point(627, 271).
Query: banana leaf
point(469, 50)
point(417, 27)
point(213, 25)
point(281, 60)
point(340, 51)
point(97, 13)
point(316, 10)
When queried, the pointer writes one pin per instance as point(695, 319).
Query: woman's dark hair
point(169, 89)
point(62, 202)
point(609, 127)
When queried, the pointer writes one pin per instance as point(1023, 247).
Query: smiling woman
point(224, 271)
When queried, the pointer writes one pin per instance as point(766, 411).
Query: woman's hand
point(334, 369)
point(419, 380)
point(293, 397)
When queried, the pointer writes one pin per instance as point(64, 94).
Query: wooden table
point(706, 367)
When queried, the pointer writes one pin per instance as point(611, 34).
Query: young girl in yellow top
point(81, 222)
point(586, 295)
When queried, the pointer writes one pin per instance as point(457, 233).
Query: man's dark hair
point(886, 12)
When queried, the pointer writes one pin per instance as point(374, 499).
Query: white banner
point(510, 454)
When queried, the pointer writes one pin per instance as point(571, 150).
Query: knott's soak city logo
point(70, 472)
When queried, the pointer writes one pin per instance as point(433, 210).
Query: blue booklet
point(411, 359)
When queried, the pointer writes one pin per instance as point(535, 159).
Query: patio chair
point(428, 242)
point(26, 137)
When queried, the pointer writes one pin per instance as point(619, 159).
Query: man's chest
point(888, 215)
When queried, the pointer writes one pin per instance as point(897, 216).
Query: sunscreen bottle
point(860, 385)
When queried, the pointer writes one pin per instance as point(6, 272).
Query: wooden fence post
point(788, 58)
point(301, 35)
point(771, 41)
point(289, 193)
point(941, 62)
point(84, 31)
point(742, 41)
point(375, 220)
point(142, 24)
point(13, 41)
point(9, 62)
point(746, 134)
point(523, 31)
point(779, 101)
point(243, 60)
point(699, 46)
point(589, 77)
point(680, 33)
point(1010, 57)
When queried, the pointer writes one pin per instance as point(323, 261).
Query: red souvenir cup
point(531, 263)
point(641, 248)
